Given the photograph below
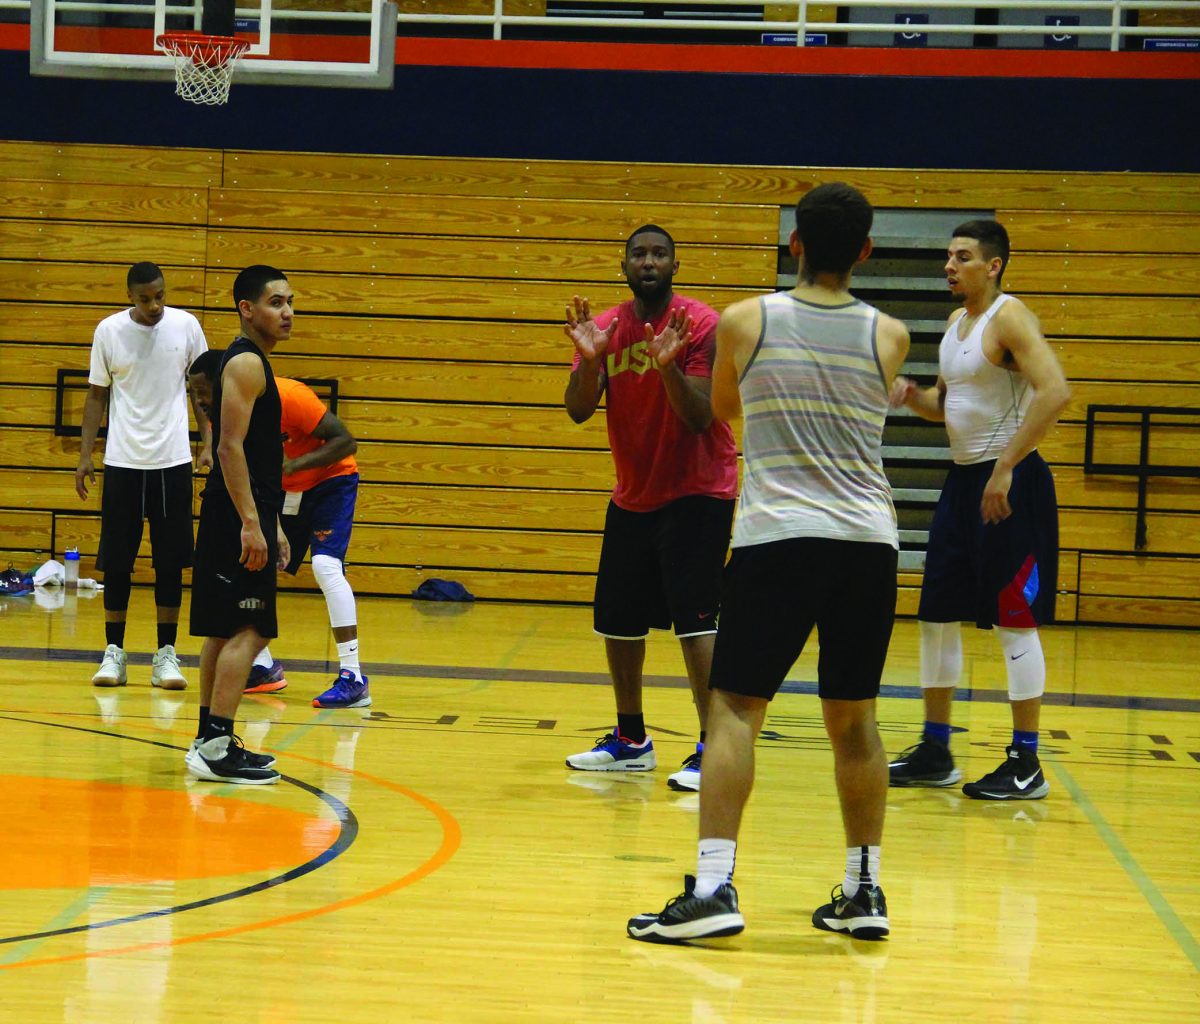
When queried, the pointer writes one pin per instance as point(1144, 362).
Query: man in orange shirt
point(320, 482)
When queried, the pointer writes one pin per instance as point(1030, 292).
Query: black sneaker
point(253, 758)
point(861, 916)
point(1019, 777)
point(688, 917)
point(927, 763)
point(226, 760)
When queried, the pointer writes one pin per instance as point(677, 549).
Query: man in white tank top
point(993, 545)
point(815, 544)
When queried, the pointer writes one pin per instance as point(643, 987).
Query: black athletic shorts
point(662, 568)
point(131, 496)
point(775, 593)
point(998, 574)
point(226, 597)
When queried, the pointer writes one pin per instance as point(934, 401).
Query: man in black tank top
point(239, 543)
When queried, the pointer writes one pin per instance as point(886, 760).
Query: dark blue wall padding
point(685, 117)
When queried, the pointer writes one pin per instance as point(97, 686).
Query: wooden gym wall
point(432, 290)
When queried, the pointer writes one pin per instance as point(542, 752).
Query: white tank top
point(814, 400)
point(985, 403)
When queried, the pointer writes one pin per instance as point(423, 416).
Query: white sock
point(264, 659)
point(862, 868)
point(348, 656)
point(714, 865)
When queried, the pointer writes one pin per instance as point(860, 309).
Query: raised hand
point(665, 346)
point(590, 342)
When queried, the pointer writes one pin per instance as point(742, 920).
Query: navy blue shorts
point(662, 568)
point(324, 521)
point(998, 574)
point(775, 593)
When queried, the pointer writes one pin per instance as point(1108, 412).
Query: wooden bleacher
point(432, 290)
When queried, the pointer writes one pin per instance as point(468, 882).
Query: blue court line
point(68, 914)
point(1158, 902)
point(400, 670)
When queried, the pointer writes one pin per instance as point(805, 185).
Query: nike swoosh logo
point(1024, 783)
point(1014, 657)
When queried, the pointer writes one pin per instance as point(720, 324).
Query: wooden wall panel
point(1113, 531)
point(166, 245)
point(1143, 576)
point(616, 182)
point(1103, 274)
point(1073, 231)
point(433, 290)
point(569, 261)
point(95, 283)
point(363, 294)
point(99, 203)
point(1175, 362)
point(1111, 316)
point(132, 167)
point(512, 216)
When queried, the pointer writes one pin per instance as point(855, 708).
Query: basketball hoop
point(203, 64)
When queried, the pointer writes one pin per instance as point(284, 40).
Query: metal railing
point(1109, 18)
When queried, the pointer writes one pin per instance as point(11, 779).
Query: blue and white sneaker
point(614, 754)
point(688, 777)
point(347, 691)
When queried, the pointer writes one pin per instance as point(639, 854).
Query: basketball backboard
point(331, 43)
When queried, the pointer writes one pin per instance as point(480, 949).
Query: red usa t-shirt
point(657, 458)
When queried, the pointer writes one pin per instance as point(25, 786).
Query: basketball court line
point(1158, 902)
point(401, 670)
point(347, 833)
point(451, 840)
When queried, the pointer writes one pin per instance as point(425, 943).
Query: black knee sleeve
point(116, 591)
point(168, 589)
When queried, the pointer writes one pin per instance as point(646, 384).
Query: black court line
point(400, 670)
point(347, 834)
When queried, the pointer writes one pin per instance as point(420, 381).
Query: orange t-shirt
point(302, 411)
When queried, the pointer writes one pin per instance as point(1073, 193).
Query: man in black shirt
point(239, 543)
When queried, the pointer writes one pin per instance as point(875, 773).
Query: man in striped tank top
point(814, 544)
point(993, 544)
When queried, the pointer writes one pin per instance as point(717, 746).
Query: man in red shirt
point(666, 533)
point(320, 482)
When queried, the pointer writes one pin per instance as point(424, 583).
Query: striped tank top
point(814, 401)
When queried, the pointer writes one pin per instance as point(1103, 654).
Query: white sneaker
point(613, 754)
point(165, 672)
point(112, 668)
point(688, 777)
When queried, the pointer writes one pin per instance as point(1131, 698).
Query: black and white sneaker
point(927, 763)
point(253, 757)
point(224, 759)
point(861, 916)
point(1019, 777)
point(689, 917)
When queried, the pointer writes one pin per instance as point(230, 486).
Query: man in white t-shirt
point(139, 364)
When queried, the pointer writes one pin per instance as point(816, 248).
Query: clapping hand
point(666, 346)
point(590, 342)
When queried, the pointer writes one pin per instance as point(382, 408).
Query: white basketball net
point(203, 65)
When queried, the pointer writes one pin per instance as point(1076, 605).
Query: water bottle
point(71, 560)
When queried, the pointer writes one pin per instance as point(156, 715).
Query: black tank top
point(264, 437)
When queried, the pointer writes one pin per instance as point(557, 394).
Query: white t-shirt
point(145, 370)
